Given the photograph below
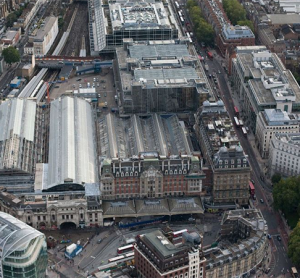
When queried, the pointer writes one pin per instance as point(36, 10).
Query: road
point(263, 191)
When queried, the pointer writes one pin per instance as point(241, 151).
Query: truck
point(73, 250)
point(206, 67)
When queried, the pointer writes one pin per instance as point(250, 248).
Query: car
point(104, 87)
point(104, 94)
point(253, 181)
point(99, 96)
point(79, 79)
point(56, 87)
point(279, 238)
point(94, 79)
point(80, 86)
point(99, 240)
point(254, 197)
point(269, 236)
point(105, 103)
point(102, 81)
point(209, 75)
point(219, 72)
point(268, 270)
point(262, 201)
point(98, 85)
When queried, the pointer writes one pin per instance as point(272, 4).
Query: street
point(263, 191)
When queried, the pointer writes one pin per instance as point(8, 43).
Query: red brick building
point(232, 36)
point(156, 256)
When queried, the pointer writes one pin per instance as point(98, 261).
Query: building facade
point(18, 136)
point(79, 207)
point(273, 121)
point(222, 152)
point(23, 249)
point(144, 21)
point(157, 257)
point(242, 237)
point(159, 76)
point(231, 176)
point(284, 154)
point(40, 43)
point(147, 156)
point(232, 36)
point(262, 82)
point(152, 176)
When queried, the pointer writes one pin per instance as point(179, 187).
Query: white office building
point(268, 123)
point(284, 154)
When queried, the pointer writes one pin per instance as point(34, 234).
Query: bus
point(236, 111)
point(125, 249)
point(294, 272)
point(128, 255)
point(244, 131)
point(251, 189)
point(177, 5)
point(210, 55)
point(115, 259)
point(179, 233)
point(236, 121)
point(189, 37)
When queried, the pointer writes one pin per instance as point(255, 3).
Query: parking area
point(102, 82)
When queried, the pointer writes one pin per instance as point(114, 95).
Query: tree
point(10, 19)
point(234, 10)
point(294, 245)
point(246, 22)
point(276, 178)
point(286, 195)
point(11, 55)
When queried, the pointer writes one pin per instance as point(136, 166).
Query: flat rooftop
point(270, 80)
point(161, 64)
point(280, 19)
point(293, 138)
point(43, 31)
point(138, 15)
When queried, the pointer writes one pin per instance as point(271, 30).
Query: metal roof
point(72, 150)
point(17, 117)
point(128, 136)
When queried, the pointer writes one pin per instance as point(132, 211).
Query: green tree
point(286, 194)
point(246, 22)
point(10, 19)
point(276, 178)
point(294, 245)
point(11, 55)
point(234, 10)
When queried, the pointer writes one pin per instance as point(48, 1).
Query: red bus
point(251, 188)
point(125, 249)
point(236, 111)
point(178, 233)
point(210, 55)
